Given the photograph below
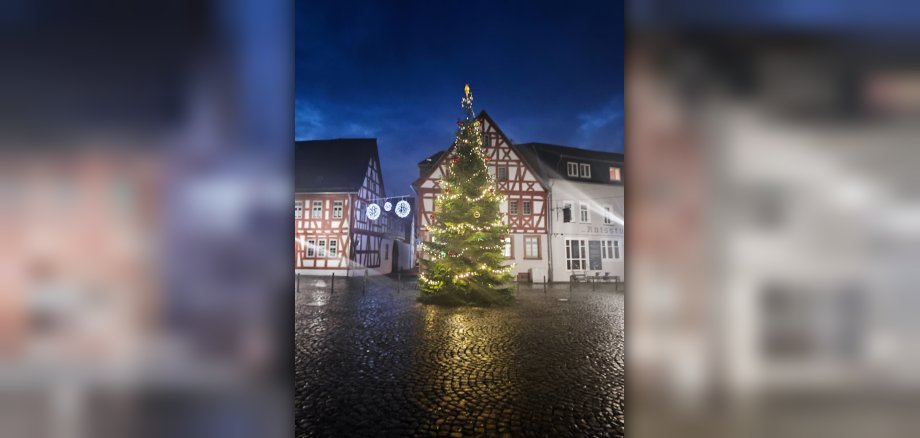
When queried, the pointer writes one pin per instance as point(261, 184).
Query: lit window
point(513, 208)
point(317, 210)
point(585, 218)
point(608, 215)
point(298, 209)
point(337, 210)
point(585, 170)
point(503, 173)
point(528, 207)
point(614, 173)
point(333, 246)
point(311, 248)
point(572, 169)
point(507, 251)
point(531, 247)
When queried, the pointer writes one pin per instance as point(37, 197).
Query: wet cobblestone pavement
point(377, 363)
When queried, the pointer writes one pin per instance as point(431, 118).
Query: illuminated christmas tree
point(465, 252)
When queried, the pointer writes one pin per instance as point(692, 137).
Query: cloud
point(603, 127)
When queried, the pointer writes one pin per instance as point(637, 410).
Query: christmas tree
point(464, 255)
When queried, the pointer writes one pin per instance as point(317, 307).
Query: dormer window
point(572, 169)
point(615, 174)
point(584, 170)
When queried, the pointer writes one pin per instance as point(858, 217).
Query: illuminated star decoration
point(373, 212)
point(402, 209)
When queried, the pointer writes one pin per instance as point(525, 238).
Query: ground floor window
point(311, 248)
point(616, 249)
point(607, 249)
point(386, 251)
point(333, 247)
point(507, 252)
point(321, 248)
point(531, 247)
point(575, 259)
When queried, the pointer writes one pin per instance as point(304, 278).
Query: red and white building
point(335, 182)
point(564, 205)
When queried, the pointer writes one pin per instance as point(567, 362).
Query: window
point(607, 215)
point(503, 173)
point(614, 173)
point(575, 255)
point(317, 210)
point(616, 249)
point(566, 212)
point(513, 208)
point(508, 248)
point(572, 168)
point(386, 251)
point(321, 248)
point(311, 248)
point(531, 247)
point(585, 218)
point(607, 249)
point(528, 207)
point(337, 210)
point(333, 247)
point(298, 209)
point(585, 170)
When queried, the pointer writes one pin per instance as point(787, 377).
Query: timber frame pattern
point(520, 186)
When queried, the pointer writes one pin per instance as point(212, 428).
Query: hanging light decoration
point(402, 208)
point(387, 206)
point(373, 212)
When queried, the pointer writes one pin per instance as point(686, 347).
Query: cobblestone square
point(377, 363)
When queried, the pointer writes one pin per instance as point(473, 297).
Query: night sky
point(545, 71)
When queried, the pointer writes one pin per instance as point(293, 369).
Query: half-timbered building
point(564, 205)
point(335, 182)
point(525, 206)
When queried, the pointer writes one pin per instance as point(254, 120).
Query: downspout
point(550, 218)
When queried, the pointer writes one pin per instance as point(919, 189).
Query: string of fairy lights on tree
point(464, 255)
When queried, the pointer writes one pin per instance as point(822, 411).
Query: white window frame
point(608, 214)
point(333, 248)
point(316, 211)
point(527, 205)
point(321, 248)
point(572, 169)
point(298, 209)
point(508, 250)
point(616, 249)
point(584, 213)
point(615, 174)
point(337, 208)
point(311, 247)
point(575, 259)
point(513, 211)
point(584, 170)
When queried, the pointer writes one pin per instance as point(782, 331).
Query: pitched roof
point(550, 160)
point(332, 165)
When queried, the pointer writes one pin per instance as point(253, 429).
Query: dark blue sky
point(394, 70)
